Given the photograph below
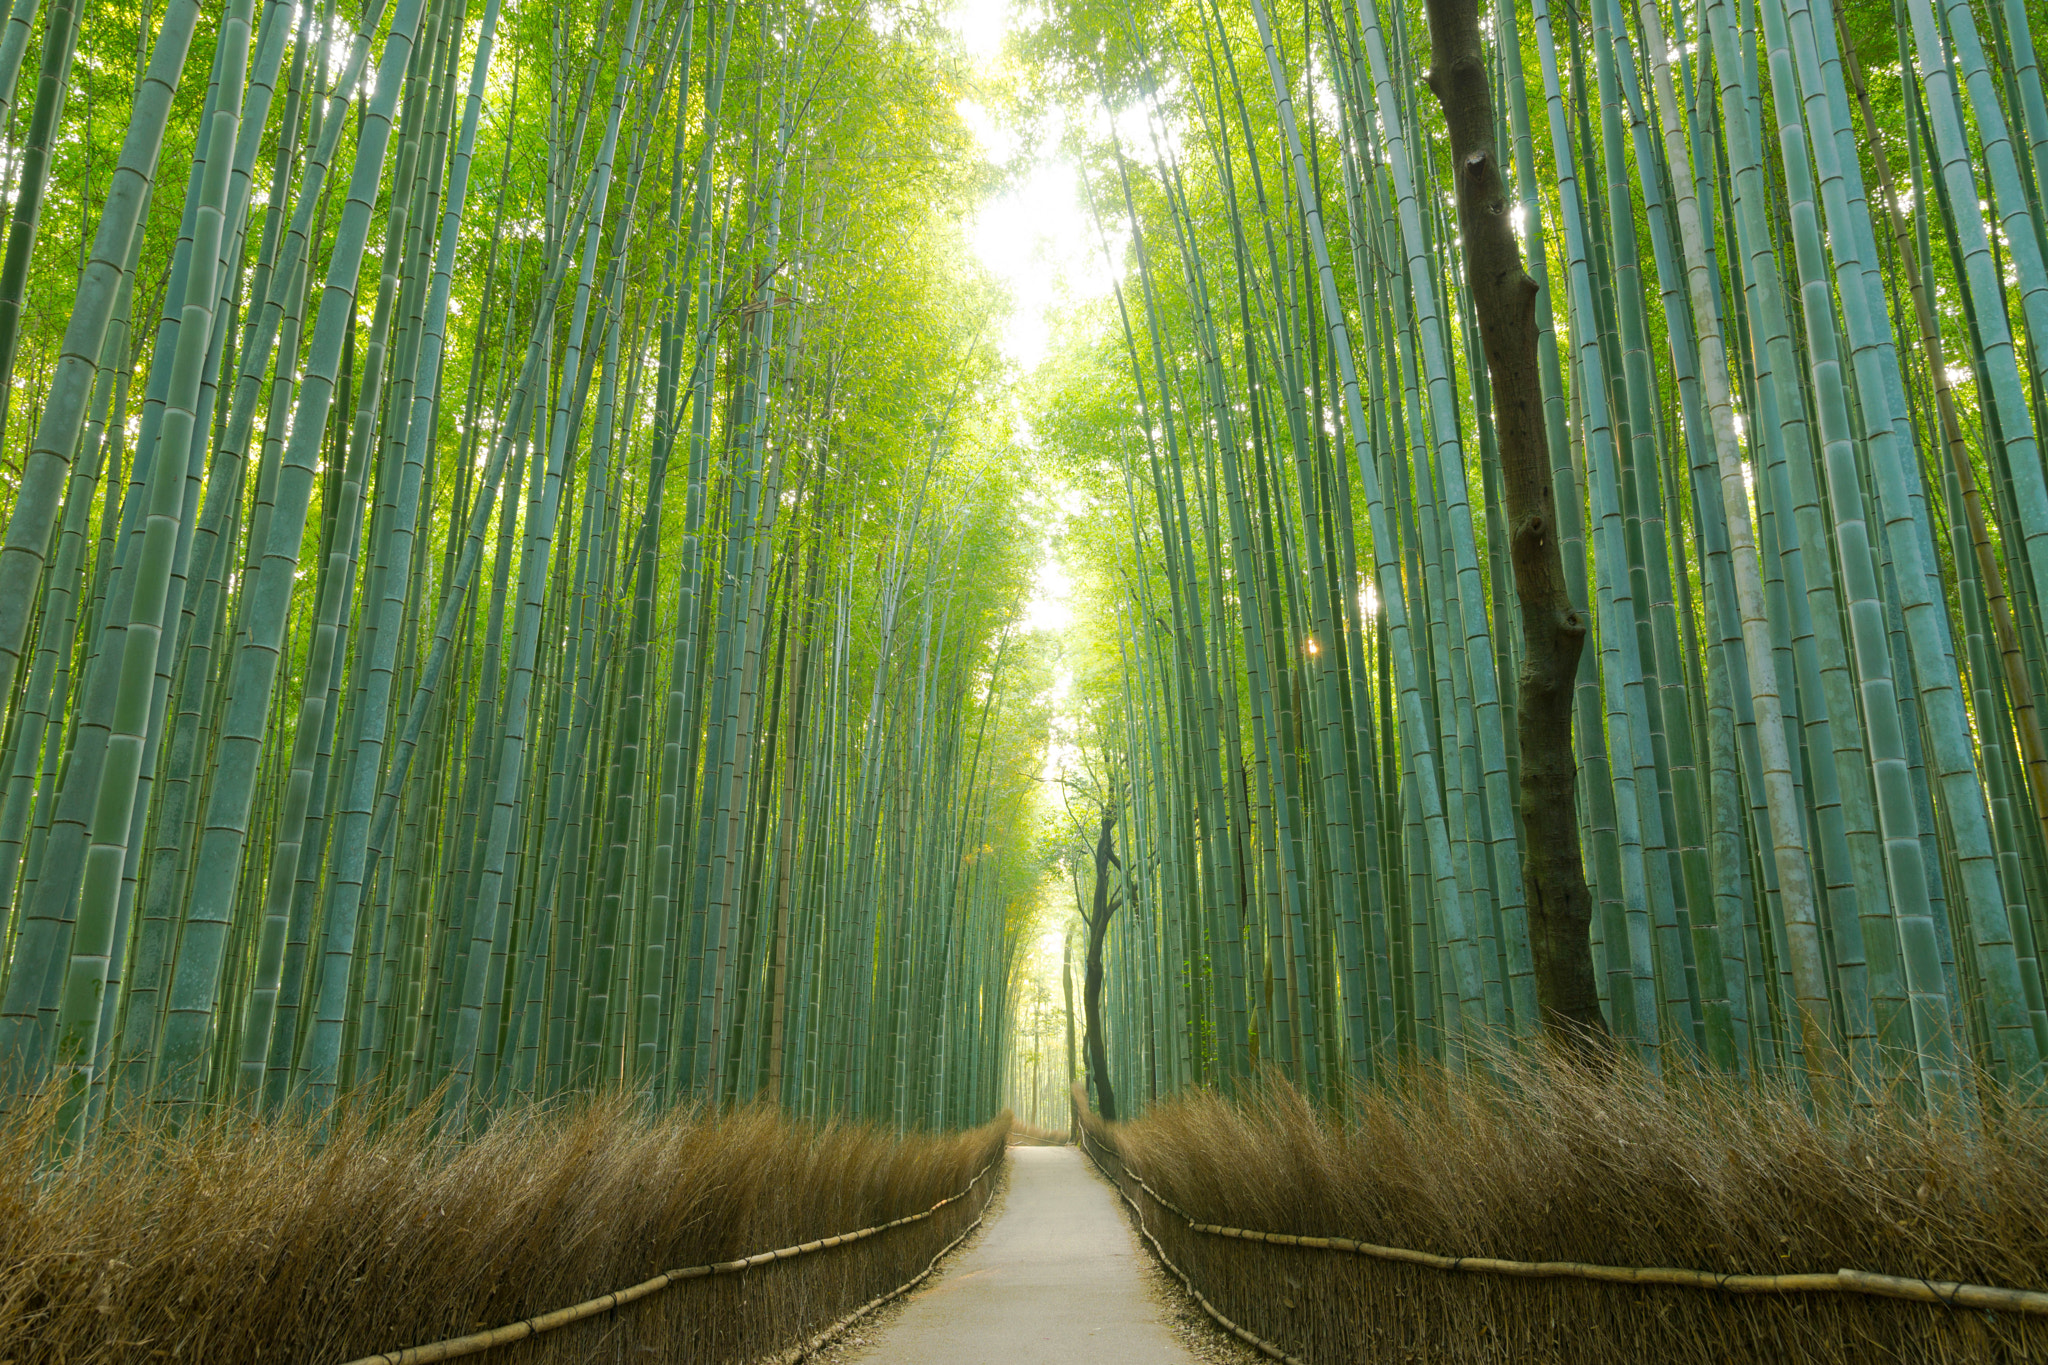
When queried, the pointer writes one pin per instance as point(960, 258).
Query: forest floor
point(1056, 1275)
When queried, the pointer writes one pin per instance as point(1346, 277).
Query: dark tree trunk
point(1067, 990)
point(1091, 986)
point(1553, 630)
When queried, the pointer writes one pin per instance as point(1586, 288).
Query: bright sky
point(982, 25)
point(1037, 236)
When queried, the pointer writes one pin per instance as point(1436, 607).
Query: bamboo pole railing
point(1945, 1293)
point(455, 1347)
point(1258, 1343)
point(811, 1345)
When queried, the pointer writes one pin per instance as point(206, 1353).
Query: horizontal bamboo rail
point(818, 1342)
point(1260, 1344)
point(1949, 1293)
point(455, 1347)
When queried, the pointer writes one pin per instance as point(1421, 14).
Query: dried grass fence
point(1547, 1185)
point(232, 1243)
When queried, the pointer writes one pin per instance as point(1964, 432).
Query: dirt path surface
point(1058, 1278)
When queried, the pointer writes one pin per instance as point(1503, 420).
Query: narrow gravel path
point(1057, 1280)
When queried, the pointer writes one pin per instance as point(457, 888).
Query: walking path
point(1056, 1280)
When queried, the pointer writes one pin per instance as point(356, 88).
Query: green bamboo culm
point(469, 643)
point(1802, 728)
point(401, 734)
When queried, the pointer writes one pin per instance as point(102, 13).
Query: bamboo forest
point(896, 571)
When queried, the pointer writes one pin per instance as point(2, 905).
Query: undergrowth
point(233, 1241)
point(1548, 1159)
point(1031, 1135)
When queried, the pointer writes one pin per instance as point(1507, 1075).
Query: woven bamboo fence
point(780, 1305)
point(1323, 1300)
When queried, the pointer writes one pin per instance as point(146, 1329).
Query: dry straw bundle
point(231, 1242)
point(1546, 1160)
